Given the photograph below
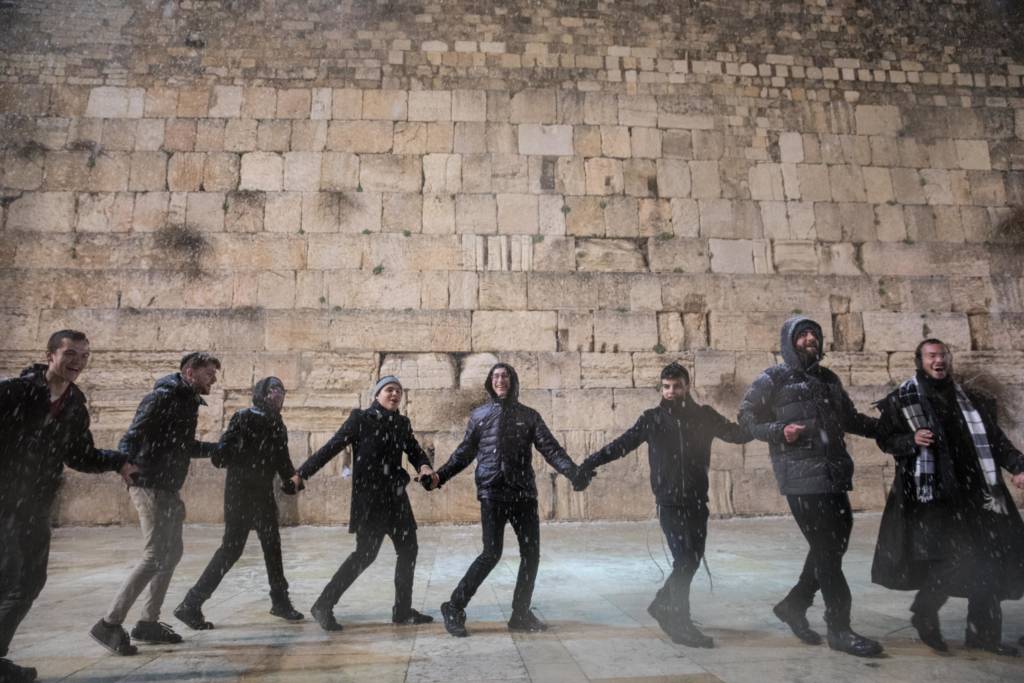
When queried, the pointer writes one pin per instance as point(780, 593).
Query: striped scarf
point(924, 467)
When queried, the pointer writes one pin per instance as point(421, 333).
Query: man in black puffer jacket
point(380, 506)
point(44, 425)
point(500, 437)
point(678, 434)
point(254, 448)
point(161, 441)
point(803, 412)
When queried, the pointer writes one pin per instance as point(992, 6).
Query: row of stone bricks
point(463, 331)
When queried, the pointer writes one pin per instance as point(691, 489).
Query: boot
point(285, 610)
point(928, 631)
point(796, 620)
point(325, 617)
point(974, 641)
point(113, 637)
point(12, 673)
point(686, 633)
point(454, 620)
point(409, 617)
point(526, 621)
point(190, 613)
point(853, 644)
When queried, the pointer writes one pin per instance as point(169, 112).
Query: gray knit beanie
point(383, 382)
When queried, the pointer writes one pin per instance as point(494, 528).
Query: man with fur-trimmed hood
point(500, 436)
point(950, 527)
point(801, 409)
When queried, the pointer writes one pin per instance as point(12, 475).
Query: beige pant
point(161, 515)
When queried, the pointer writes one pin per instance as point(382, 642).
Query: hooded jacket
point(253, 448)
point(162, 437)
point(378, 438)
point(500, 436)
point(805, 393)
point(34, 447)
point(678, 438)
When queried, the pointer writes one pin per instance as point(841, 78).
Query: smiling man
point(950, 527)
point(44, 425)
point(161, 441)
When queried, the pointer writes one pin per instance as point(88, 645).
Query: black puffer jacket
point(678, 438)
point(253, 449)
point(34, 447)
point(162, 437)
point(811, 395)
point(378, 438)
point(500, 436)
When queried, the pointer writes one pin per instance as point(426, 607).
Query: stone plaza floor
point(595, 582)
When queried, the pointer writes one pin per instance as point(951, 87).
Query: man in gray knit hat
point(380, 507)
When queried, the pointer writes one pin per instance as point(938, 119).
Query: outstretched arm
point(463, 454)
point(345, 435)
point(855, 422)
point(548, 445)
point(726, 430)
point(628, 442)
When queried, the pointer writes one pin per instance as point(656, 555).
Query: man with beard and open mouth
point(500, 436)
point(801, 409)
point(950, 527)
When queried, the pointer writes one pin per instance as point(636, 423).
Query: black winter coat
point(975, 544)
point(818, 461)
point(678, 448)
point(253, 449)
point(162, 437)
point(34, 447)
point(501, 435)
point(378, 438)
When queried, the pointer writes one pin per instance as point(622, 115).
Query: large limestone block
point(514, 331)
point(416, 331)
point(795, 256)
point(753, 331)
point(616, 331)
point(502, 291)
point(107, 212)
point(924, 259)
point(476, 213)
point(302, 171)
point(545, 140)
point(421, 370)
point(336, 372)
point(739, 256)
point(369, 137)
point(260, 251)
point(609, 255)
point(430, 105)
point(605, 370)
point(262, 171)
point(394, 253)
point(109, 102)
point(42, 212)
point(878, 120)
point(673, 178)
point(391, 173)
point(385, 105)
point(889, 331)
point(604, 176)
point(533, 106)
point(363, 289)
point(469, 105)
point(678, 255)
point(575, 409)
point(517, 213)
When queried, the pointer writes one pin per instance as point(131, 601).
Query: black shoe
point(155, 632)
point(796, 620)
point(686, 633)
point(663, 616)
point(114, 638)
point(853, 644)
point(192, 616)
point(12, 673)
point(286, 611)
point(527, 621)
point(325, 617)
point(974, 642)
point(410, 617)
point(454, 620)
point(928, 631)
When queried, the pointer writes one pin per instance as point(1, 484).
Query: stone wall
point(328, 191)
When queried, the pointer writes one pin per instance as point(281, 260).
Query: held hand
point(924, 437)
point(1018, 480)
point(582, 478)
point(792, 432)
point(297, 482)
point(428, 477)
point(128, 472)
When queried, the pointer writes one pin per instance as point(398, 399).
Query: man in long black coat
point(254, 449)
point(380, 506)
point(44, 425)
point(950, 527)
point(678, 433)
point(500, 436)
point(801, 409)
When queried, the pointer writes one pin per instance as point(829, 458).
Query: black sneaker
point(156, 632)
point(853, 644)
point(12, 673)
point(114, 638)
point(527, 621)
point(325, 617)
point(192, 616)
point(796, 620)
point(663, 616)
point(454, 620)
point(286, 611)
point(928, 631)
point(972, 641)
point(410, 618)
point(686, 633)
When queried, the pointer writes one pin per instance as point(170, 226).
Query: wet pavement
point(595, 582)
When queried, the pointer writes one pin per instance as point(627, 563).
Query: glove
point(288, 487)
point(581, 478)
point(427, 483)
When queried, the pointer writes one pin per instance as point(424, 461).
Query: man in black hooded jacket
point(161, 441)
point(500, 436)
point(801, 409)
point(678, 434)
point(44, 425)
point(254, 449)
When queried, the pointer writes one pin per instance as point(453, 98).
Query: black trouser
point(826, 521)
point(402, 531)
point(686, 531)
point(522, 515)
point(241, 517)
point(24, 553)
point(984, 613)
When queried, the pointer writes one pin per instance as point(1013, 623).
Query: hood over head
point(513, 383)
point(790, 330)
point(260, 391)
point(35, 371)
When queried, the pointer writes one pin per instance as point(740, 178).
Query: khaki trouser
point(161, 515)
